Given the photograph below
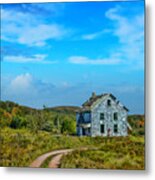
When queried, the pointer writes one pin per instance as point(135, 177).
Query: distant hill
point(9, 105)
point(64, 109)
point(63, 113)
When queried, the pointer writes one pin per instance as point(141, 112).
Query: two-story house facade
point(102, 115)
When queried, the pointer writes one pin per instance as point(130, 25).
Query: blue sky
point(59, 53)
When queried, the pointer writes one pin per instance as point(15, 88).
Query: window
point(109, 102)
point(101, 116)
point(115, 128)
point(89, 130)
point(115, 116)
point(102, 128)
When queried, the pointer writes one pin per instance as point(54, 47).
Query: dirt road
point(55, 157)
point(54, 160)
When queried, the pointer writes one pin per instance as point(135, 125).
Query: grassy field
point(20, 147)
point(116, 153)
point(26, 133)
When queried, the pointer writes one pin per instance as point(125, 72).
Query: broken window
point(115, 128)
point(102, 128)
point(109, 102)
point(101, 116)
point(115, 116)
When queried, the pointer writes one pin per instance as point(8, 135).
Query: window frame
point(115, 116)
point(102, 128)
point(115, 128)
point(102, 115)
point(109, 102)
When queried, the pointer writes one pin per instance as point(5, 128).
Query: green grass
point(46, 162)
point(26, 133)
point(18, 148)
point(118, 153)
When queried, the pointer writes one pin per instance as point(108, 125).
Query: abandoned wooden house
point(102, 115)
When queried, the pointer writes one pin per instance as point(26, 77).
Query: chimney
point(93, 94)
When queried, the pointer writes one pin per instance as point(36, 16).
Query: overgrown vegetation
point(53, 120)
point(118, 153)
point(26, 133)
point(137, 123)
point(19, 147)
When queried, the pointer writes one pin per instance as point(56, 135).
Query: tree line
point(15, 116)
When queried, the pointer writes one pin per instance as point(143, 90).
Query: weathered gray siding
point(101, 107)
point(91, 124)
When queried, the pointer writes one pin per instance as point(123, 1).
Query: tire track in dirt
point(40, 160)
point(55, 159)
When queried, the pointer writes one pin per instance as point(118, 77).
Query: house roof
point(87, 105)
point(92, 99)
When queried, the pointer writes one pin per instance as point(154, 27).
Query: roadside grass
point(18, 148)
point(123, 154)
point(46, 162)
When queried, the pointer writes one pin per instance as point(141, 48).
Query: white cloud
point(86, 60)
point(95, 35)
point(128, 30)
point(26, 28)
point(21, 84)
point(26, 85)
point(37, 58)
point(56, 9)
point(130, 33)
point(27, 90)
point(38, 35)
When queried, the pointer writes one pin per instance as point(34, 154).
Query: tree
point(68, 127)
point(39, 121)
point(5, 118)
